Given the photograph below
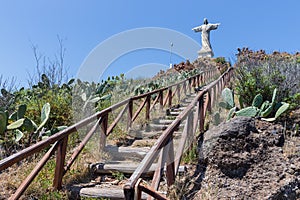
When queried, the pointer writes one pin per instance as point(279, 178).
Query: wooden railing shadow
point(58, 142)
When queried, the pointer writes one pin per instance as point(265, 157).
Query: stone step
point(160, 127)
point(125, 168)
point(165, 121)
point(106, 191)
point(156, 127)
point(178, 109)
point(187, 100)
point(126, 153)
point(168, 121)
point(193, 94)
point(173, 113)
point(144, 143)
point(141, 134)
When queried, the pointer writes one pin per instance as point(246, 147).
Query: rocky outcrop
point(245, 159)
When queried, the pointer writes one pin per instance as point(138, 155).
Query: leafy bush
point(258, 72)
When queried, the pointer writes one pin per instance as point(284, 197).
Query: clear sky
point(257, 24)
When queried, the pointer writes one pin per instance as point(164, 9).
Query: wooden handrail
point(59, 140)
point(203, 104)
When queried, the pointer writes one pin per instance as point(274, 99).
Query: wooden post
point(128, 192)
point(103, 131)
point(222, 83)
point(201, 115)
point(212, 95)
point(159, 170)
point(170, 173)
point(187, 134)
point(184, 88)
point(129, 118)
point(189, 86)
point(178, 93)
point(161, 100)
point(194, 82)
point(170, 97)
point(148, 107)
point(137, 191)
point(217, 90)
point(60, 162)
point(197, 115)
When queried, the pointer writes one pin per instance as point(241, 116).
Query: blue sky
point(270, 25)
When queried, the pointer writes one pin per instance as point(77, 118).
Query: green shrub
point(258, 72)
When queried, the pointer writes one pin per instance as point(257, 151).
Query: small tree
point(53, 68)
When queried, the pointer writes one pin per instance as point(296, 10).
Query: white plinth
point(202, 54)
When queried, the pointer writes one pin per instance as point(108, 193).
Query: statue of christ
point(205, 28)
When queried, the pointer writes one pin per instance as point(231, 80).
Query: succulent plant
point(19, 114)
point(231, 113)
point(228, 99)
point(44, 116)
point(17, 123)
point(248, 112)
point(279, 111)
point(257, 101)
point(3, 122)
point(258, 108)
point(216, 118)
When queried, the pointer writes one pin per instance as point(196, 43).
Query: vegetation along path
point(169, 119)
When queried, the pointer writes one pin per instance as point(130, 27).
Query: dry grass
point(184, 188)
point(291, 146)
point(41, 187)
point(207, 193)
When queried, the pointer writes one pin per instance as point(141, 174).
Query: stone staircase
point(109, 176)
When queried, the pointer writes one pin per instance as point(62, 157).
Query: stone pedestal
point(202, 54)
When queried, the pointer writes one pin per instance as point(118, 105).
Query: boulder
point(246, 158)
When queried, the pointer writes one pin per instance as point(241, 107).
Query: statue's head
point(205, 21)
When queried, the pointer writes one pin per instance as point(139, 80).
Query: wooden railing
point(59, 141)
point(163, 150)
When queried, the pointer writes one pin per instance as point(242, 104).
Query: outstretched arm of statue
point(214, 26)
point(197, 29)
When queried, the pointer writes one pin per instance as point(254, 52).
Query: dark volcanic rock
point(244, 159)
point(227, 146)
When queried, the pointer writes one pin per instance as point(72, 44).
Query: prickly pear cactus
point(231, 113)
point(274, 96)
point(282, 109)
point(257, 101)
point(264, 106)
point(224, 105)
point(45, 114)
point(216, 118)
point(267, 111)
point(247, 112)
point(16, 124)
point(3, 122)
point(21, 111)
point(227, 96)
